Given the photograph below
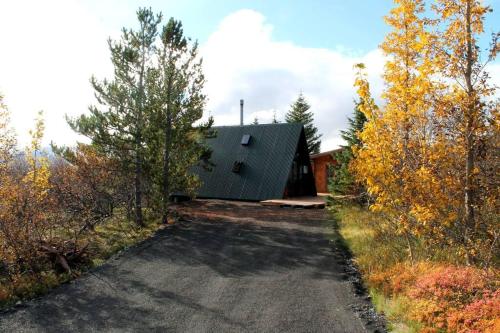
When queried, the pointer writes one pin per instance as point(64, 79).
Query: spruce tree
point(299, 113)
point(342, 181)
point(356, 124)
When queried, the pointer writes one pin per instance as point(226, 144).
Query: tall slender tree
point(117, 126)
point(179, 101)
point(393, 158)
point(299, 113)
point(437, 135)
point(7, 150)
point(471, 112)
point(356, 124)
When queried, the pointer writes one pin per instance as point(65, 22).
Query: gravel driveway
point(229, 267)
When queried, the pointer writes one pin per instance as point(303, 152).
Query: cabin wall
point(320, 166)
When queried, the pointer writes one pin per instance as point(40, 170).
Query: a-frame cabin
point(258, 162)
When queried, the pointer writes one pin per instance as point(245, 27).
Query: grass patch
point(354, 223)
point(118, 234)
point(394, 309)
point(350, 224)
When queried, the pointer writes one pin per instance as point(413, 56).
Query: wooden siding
point(320, 165)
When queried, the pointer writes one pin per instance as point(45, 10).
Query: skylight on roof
point(245, 140)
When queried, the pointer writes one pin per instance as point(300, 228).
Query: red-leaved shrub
point(482, 315)
point(398, 278)
point(451, 298)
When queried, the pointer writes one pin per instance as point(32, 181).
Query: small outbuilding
point(322, 164)
point(258, 162)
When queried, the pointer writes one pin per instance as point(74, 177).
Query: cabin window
point(329, 171)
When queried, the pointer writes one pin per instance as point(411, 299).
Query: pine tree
point(299, 113)
point(177, 90)
point(342, 181)
point(255, 121)
point(147, 114)
point(118, 125)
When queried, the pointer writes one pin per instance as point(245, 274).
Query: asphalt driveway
point(230, 267)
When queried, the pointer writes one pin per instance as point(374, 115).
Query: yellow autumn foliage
point(37, 177)
point(428, 157)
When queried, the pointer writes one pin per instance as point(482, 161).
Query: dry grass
point(426, 296)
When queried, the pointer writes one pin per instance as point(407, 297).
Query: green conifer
point(299, 113)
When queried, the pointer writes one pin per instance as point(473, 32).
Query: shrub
point(482, 315)
point(447, 297)
point(399, 277)
point(430, 295)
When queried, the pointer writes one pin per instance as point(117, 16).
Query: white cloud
point(243, 61)
point(51, 48)
point(49, 51)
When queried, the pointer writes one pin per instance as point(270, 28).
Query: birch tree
point(430, 156)
point(469, 113)
point(394, 151)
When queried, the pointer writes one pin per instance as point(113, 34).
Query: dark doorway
point(301, 180)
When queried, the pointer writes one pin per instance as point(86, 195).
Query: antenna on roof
point(241, 112)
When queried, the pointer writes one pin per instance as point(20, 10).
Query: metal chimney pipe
point(241, 112)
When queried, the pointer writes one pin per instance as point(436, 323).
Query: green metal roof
point(267, 161)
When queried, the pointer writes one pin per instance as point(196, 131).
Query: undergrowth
point(432, 294)
point(114, 235)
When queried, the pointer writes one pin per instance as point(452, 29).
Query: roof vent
point(237, 166)
point(245, 139)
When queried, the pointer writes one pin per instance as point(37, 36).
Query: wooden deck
point(299, 202)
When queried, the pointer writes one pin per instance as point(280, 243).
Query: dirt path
point(235, 267)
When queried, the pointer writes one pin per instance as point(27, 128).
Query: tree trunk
point(138, 191)
point(410, 248)
point(166, 165)
point(469, 129)
point(166, 153)
point(138, 140)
